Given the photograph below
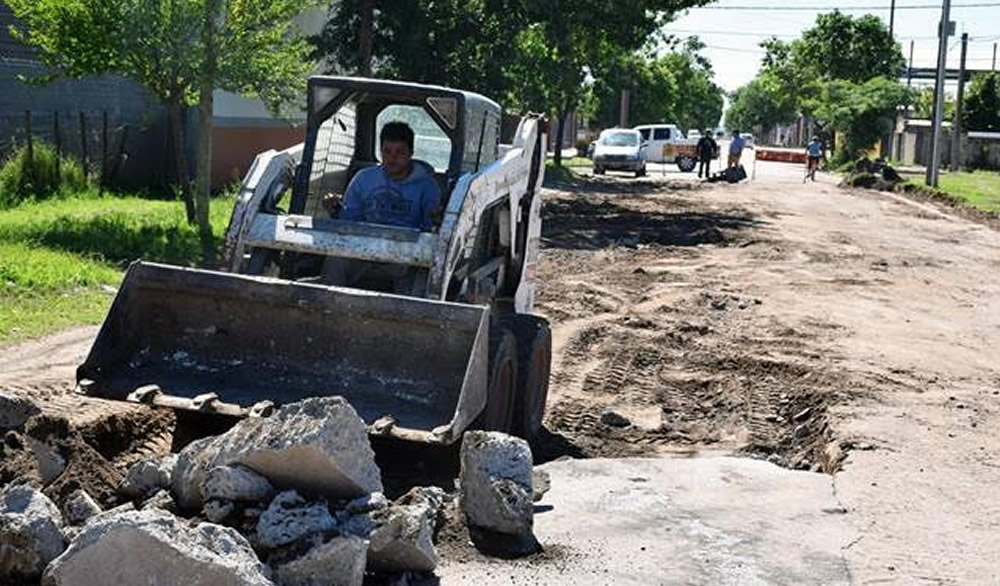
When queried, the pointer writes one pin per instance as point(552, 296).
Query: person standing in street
point(706, 152)
point(736, 145)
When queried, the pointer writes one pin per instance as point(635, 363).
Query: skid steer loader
point(462, 351)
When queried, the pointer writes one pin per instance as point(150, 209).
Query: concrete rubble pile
point(291, 499)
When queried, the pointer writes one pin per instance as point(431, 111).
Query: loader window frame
point(427, 130)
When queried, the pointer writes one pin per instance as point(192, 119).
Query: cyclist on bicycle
point(814, 150)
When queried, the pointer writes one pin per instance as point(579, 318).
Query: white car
point(619, 149)
point(694, 135)
point(748, 138)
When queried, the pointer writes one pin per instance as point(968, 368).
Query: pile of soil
point(97, 441)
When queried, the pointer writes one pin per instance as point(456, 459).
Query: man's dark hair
point(397, 132)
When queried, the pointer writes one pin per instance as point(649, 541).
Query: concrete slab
point(677, 521)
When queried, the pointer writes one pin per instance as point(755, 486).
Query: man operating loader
point(401, 191)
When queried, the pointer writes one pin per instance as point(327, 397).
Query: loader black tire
point(534, 363)
point(500, 383)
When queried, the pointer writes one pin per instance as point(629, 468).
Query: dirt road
point(798, 323)
point(852, 333)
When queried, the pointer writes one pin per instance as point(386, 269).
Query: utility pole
point(994, 68)
point(956, 125)
point(943, 31)
point(909, 71)
point(892, 18)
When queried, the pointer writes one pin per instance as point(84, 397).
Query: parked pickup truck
point(665, 143)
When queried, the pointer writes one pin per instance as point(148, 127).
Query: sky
point(731, 29)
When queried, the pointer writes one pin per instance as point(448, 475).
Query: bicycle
point(812, 165)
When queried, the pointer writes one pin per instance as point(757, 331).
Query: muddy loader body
point(462, 349)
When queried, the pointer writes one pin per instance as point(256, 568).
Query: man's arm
point(353, 201)
point(429, 202)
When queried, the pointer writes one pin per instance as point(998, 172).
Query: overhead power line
point(815, 8)
point(784, 35)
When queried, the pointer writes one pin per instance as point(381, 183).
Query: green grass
point(980, 189)
point(578, 162)
point(61, 259)
point(568, 173)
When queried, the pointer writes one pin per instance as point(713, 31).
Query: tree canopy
point(529, 55)
point(982, 102)
point(839, 58)
point(923, 104)
point(861, 111)
point(676, 86)
point(252, 48)
point(760, 104)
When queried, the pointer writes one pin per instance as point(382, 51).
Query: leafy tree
point(532, 55)
point(449, 42)
point(862, 112)
point(982, 102)
point(760, 104)
point(841, 72)
point(923, 104)
point(839, 46)
point(180, 50)
point(675, 87)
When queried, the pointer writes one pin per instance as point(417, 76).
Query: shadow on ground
point(590, 224)
point(619, 185)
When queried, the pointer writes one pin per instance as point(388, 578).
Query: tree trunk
point(557, 143)
point(366, 37)
point(203, 177)
point(174, 115)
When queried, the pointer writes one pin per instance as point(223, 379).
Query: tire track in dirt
point(646, 323)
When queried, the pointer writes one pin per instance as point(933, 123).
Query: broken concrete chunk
point(146, 477)
point(540, 483)
point(358, 524)
point(51, 464)
point(403, 539)
point(193, 463)
point(79, 507)
point(15, 410)
point(154, 547)
point(338, 562)
point(496, 482)
point(30, 533)
point(216, 510)
point(368, 503)
point(318, 446)
point(235, 483)
point(289, 518)
point(160, 500)
point(433, 496)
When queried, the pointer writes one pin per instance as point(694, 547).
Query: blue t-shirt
point(815, 148)
point(375, 198)
point(736, 145)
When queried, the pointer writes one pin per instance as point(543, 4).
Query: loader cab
point(456, 132)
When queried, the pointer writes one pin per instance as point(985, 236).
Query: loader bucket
point(233, 344)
